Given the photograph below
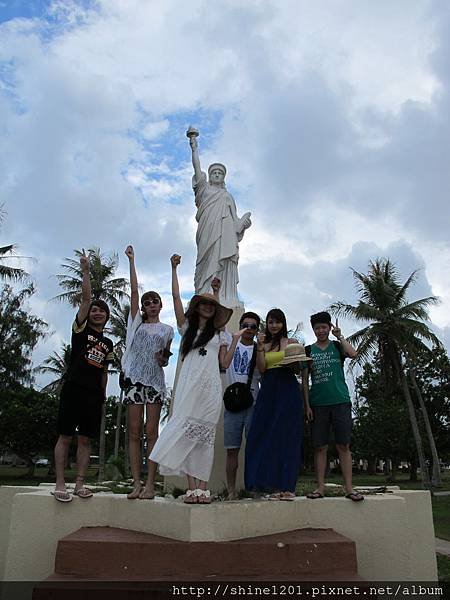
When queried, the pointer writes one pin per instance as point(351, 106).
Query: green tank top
point(328, 381)
point(273, 358)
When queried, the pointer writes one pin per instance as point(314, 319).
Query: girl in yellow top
point(275, 440)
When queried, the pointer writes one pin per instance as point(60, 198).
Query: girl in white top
point(186, 444)
point(147, 352)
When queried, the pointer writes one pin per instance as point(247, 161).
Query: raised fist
point(215, 284)
point(175, 260)
point(129, 252)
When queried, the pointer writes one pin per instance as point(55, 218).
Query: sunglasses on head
point(150, 302)
point(252, 326)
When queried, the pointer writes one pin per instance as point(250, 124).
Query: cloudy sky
point(331, 116)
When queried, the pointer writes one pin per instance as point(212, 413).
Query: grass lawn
point(443, 564)
point(17, 475)
point(306, 482)
point(441, 516)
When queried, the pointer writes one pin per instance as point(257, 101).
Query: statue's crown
point(217, 166)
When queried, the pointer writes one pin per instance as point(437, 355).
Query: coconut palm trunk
point(436, 480)
point(102, 447)
point(118, 426)
point(414, 424)
point(117, 434)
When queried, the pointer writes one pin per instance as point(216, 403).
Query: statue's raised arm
point(193, 134)
point(219, 228)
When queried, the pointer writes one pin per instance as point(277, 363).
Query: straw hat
point(223, 314)
point(294, 353)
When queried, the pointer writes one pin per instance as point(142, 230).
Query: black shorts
point(336, 418)
point(80, 409)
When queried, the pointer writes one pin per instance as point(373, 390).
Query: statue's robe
point(217, 240)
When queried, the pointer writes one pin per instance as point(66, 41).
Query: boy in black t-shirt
point(83, 392)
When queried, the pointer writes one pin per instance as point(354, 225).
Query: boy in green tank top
point(330, 402)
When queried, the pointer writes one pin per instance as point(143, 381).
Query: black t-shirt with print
point(91, 352)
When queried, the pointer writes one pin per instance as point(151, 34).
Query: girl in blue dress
point(274, 444)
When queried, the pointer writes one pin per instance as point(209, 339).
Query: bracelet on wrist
point(341, 338)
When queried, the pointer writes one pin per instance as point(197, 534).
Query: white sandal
point(204, 496)
point(190, 497)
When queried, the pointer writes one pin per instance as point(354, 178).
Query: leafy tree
point(396, 330)
point(20, 331)
point(103, 283)
point(27, 422)
point(381, 426)
point(56, 364)
point(431, 385)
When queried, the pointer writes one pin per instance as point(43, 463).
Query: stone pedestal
point(393, 532)
point(217, 481)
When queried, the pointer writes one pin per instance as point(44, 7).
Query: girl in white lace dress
point(186, 444)
point(147, 352)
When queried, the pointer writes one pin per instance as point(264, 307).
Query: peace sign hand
point(84, 261)
point(335, 329)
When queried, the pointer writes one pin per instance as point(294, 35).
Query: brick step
point(110, 553)
point(66, 589)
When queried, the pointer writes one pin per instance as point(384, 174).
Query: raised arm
point(85, 289)
point(134, 307)
point(227, 357)
point(215, 284)
point(177, 304)
point(260, 357)
point(345, 345)
point(195, 157)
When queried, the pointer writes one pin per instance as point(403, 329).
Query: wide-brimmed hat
point(223, 314)
point(294, 354)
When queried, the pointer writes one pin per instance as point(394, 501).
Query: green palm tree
point(7, 272)
point(395, 329)
point(118, 329)
point(57, 365)
point(104, 285)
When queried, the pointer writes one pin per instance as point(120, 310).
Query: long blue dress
point(274, 444)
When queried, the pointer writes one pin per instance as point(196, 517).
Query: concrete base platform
point(393, 532)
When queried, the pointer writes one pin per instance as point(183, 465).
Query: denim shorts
point(336, 418)
point(234, 424)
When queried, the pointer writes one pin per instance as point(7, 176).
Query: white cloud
point(332, 120)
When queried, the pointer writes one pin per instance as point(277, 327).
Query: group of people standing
point(269, 364)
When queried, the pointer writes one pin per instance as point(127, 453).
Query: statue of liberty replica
point(219, 229)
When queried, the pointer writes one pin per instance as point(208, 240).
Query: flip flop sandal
point(146, 495)
point(135, 493)
point(61, 495)
point(83, 492)
point(355, 497)
point(314, 495)
point(286, 496)
point(274, 497)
